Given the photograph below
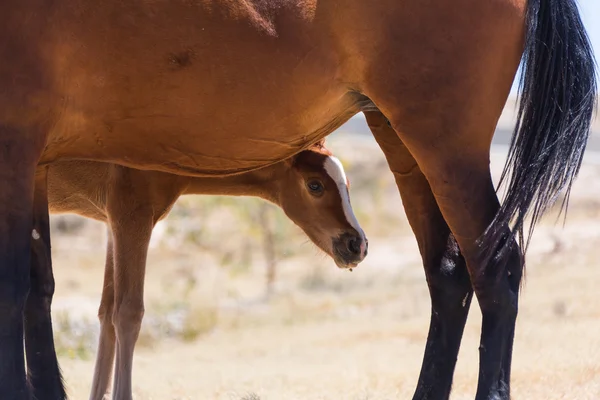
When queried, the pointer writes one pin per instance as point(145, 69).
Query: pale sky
point(590, 13)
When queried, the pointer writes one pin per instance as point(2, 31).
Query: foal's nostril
point(354, 246)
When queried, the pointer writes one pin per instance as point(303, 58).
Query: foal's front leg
point(131, 219)
point(42, 365)
point(445, 269)
point(130, 248)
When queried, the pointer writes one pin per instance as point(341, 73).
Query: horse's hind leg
point(445, 269)
point(19, 153)
point(105, 355)
point(444, 101)
point(455, 162)
point(42, 365)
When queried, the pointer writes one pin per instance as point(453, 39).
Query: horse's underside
point(221, 87)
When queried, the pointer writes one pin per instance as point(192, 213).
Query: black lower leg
point(497, 290)
point(451, 295)
point(14, 287)
point(18, 157)
point(42, 365)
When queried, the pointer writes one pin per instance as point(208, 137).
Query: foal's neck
point(258, 183)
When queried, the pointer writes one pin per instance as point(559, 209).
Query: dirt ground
point(211, 333)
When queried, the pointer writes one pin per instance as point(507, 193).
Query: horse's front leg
point(447, 277)
point(20, 150)
point(42, 365)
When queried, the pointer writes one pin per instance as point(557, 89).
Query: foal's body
point(132, 201)
point(212, 88)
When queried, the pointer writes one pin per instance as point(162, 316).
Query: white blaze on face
point(335, 170)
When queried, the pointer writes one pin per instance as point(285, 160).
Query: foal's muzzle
point(349, 249)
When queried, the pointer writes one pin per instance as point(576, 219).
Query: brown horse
point(220, 87)
point(311, 188)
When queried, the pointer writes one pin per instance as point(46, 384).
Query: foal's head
point(313, 192)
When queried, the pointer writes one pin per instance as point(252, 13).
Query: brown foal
point(311, 188)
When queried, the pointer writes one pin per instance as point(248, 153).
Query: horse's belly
point(218, 95)
point(184, 144)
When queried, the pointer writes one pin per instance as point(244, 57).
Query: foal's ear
point(292, 161)
point(319, 147)
point(320, 144)
point(308, 155)
point(300, 158)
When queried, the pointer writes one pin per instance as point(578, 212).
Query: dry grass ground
point(210, 333)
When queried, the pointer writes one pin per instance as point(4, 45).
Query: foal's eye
point(315, 187)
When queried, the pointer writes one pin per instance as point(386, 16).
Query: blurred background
point(240, 305)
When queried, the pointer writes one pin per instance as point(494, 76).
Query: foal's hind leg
point(42, 366)
point(106, 344)
point(445, 269)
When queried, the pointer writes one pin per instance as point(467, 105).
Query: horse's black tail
point(558, 96)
